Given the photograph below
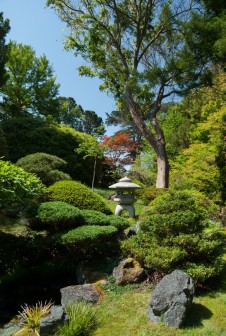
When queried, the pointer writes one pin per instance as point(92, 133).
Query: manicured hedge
point(77, 194)
point(59, 215)
point(88, 233)
point(176, 232)
point(92, 217)
point(47, 167)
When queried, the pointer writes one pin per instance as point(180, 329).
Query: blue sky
point(34, 24)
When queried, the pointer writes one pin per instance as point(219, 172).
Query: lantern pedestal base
point(129, 207)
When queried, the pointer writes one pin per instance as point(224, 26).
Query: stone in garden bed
point(171, 298)
point(72, 294)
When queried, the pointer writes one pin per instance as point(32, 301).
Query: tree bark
point(94, 171)
point(156, 141)
point(162, 180)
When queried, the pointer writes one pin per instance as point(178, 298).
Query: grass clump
point(31, 317)
point(82, 320)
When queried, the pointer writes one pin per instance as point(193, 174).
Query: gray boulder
point(128, 271)
point(49, 324)
point(10, 330)
point(171, 299)
point(72, 294)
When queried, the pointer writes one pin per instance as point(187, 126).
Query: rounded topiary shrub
point(119, 222)
point(177, 232)
point(58, 215)
point(77, 194)
point(45, 166)
point(88, 234)
point(92, 217)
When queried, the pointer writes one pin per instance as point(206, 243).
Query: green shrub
point(34, 134)
point(82, 320)
point(44, 166)
point(88, 233)
point(59, 215)
point(148, 194)
point(92, 217)
point(77, 194)
point(177, 232)
point(119, 222)
point(17, 187)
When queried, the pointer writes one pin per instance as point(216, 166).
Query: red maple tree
point(119, 150)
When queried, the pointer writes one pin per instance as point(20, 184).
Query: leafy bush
point(34, 135)
point(119, 222)
point(196, 167)
point(177, 232)
point(88, 233)
point(148, 194)
point(59, 215)
point(82, 320)
point(77, 194)
point(44, 166)
point(92, 217)
point(17, 187)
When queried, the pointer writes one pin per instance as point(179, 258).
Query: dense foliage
point(176, 232)
point(37, 135)
point(119, 150)
point(92, 217)
point(144, 52)
point(17, 187)
point(3, 145)
point(202, 164)
point(77, 194)
point(74, 116)
point(88, 234)
point(4, 29)
point(31, 86)
point(45, 166)
point(58, 215)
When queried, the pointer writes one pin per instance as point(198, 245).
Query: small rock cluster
point(49, 324)
point(169, 302)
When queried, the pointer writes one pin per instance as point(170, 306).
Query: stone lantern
point(125, 196)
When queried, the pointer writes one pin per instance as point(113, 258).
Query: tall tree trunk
point(94, 171)
point(162, 180)
point(157, 141)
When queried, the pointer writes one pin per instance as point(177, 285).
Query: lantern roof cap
point(125, 183)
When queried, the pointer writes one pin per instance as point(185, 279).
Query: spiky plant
point(32, 315)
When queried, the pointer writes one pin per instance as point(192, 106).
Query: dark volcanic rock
point(171, 298)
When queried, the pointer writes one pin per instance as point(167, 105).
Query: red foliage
point(118, 149)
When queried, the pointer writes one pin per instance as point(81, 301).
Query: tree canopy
point(4, 29)
point(31, 86)
point(141, 52)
